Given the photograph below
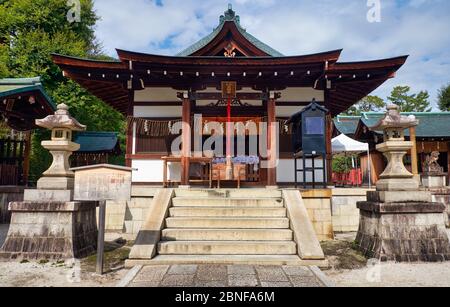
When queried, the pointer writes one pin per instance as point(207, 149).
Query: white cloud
point(415, 27)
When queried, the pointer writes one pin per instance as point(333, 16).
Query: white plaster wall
point(158, 112)
point(284, 111)
point(151, 171)
point(156, 94)
point(286, 171)
point(301, 94)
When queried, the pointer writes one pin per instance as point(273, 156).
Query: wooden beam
point(218, 96)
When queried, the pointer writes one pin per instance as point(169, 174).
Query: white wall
point(158, 112)
point(301, 94)
point(156, 94)
point(286, 171)
point(151, 171)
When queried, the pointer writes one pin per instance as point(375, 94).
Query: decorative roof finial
point(229, 15)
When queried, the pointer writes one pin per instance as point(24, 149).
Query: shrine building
point(227, 76)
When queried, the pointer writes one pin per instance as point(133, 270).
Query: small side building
point(96, 148)
point(22, 101)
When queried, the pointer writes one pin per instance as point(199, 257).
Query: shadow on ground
point(342, 255)
point(116, 253)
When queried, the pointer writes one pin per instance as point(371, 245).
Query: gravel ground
point(393, 275)
point(14, 274)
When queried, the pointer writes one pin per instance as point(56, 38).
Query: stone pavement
point(226, 276)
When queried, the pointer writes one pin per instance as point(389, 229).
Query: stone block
point(46, 230)
point(432, 181)
point(399, 196)
point(402, 184)
point(48, 195)
point(408, 232)
point(56, 183)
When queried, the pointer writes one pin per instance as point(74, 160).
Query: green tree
point(444, 98)
point(30, 31)
point(367, 104)
point(408, 102)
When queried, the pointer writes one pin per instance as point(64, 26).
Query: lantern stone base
point(403, 232)
point(434, 181)
point(56, 183)
point(51, 231)
point(398, 184)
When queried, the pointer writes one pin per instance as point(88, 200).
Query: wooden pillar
point(414, 157)
point(448, 162)
point(26, 158)
point(272, 141)
point(186, 137)
point(329, 149)
point(130, 134)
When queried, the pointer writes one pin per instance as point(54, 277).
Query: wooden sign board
point(102, 182)
point(229, 89)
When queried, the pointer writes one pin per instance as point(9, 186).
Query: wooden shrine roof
point(252, 64)
point(22, 101)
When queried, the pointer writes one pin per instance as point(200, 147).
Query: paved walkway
point(226, 276)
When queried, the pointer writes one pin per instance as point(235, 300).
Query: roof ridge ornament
point(230, 15)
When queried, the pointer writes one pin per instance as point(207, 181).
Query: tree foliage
point(30, 31)
point(408, 102)
point(367, 104)
point(444, 98)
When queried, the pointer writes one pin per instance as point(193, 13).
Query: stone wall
point(403, 232)
point(51, 231)
point(7, 195)
point(443, 196)
point(344, 210)
point(126, 217)
point(318, 205)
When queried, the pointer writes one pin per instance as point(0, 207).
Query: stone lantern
point(396, 177)
point(49, 223)
point(58, 176)
point(399, 222)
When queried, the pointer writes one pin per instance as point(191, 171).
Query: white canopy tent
point(344, 144)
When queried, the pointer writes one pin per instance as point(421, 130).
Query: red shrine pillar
point(272, 141)
point(130, 130)
point(186, 138)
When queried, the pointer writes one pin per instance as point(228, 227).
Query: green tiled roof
point(431, 125)
point(97, 141)
point(347, 124)
point(230, 15)
point(9, 87)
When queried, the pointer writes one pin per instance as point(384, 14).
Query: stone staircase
point(227, 227)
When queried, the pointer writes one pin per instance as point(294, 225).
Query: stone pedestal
point(433, 181)
point(403, 232)
point(48, 224)
point(400, 222)
point(442, 195)
point(51, 230)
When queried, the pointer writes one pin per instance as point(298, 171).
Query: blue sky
point(418, 28)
